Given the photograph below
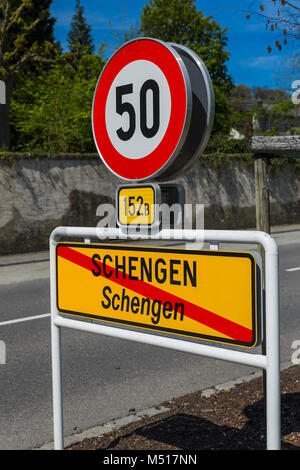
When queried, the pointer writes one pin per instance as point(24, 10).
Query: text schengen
point(159, 271)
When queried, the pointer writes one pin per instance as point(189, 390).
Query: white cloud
point(262, 62)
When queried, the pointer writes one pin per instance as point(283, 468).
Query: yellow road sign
point(212, 295)
point(136, 205)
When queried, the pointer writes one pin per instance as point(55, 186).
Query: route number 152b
point(135, 207)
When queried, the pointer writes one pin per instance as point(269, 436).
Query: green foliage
point(51, 100)
point(241, 99)
point(179, 21)
point(224, 144)
point(125, 33)
point(262, 111)
point(26, 39)
point(26, 34)
point(44, 29)
point(52, 91)
point(51, 112)
point(271, 119)
point(223, 110)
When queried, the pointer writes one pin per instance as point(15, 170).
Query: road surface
point(103, 378)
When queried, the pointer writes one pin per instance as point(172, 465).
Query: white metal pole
point(58, 426)
point(229, 355)
point(273, 418)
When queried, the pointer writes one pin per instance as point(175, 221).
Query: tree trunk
point(4, 117)
point(262, 194)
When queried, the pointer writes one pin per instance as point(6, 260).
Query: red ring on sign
point(160, 55)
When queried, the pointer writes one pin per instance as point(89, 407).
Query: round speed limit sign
point(148, 120)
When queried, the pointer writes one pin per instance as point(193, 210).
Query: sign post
point(152, 115)
point(269, 361)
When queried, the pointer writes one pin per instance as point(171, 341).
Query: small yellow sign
point(212, 295)
point(136, 205)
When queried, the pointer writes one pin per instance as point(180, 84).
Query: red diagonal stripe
point(192, 311)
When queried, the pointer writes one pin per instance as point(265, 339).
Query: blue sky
point(249, 62)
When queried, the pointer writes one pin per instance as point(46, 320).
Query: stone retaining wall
point(39, 193)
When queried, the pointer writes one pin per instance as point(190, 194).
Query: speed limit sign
point(152, 110)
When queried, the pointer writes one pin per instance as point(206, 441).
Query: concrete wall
point(40, 193)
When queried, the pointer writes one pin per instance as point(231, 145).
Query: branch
point(4, 6)
point(5, 17)
point(28, 29)
point(20, 64)
point(16, 15)
point(275, 20)
point(28, 57)
point(33, 25)
point(291, 5)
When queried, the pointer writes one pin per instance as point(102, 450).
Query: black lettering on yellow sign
point(143, 306)
point(173, 271)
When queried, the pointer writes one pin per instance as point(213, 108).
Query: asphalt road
point(103, 378)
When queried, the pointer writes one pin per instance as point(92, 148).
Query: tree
point(271, 110)
point(280, 16)
point(51, 110)
point(241, 98)
point(270, 95)
point(79, 38)
point(179, 21)
point(275, 118)
point(44, 29)
point(26, 36)
point(124, 33)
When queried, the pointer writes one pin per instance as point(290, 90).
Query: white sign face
point(138, 109)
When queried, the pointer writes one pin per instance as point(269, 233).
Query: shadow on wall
point(20, 236)
point(39, 193)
